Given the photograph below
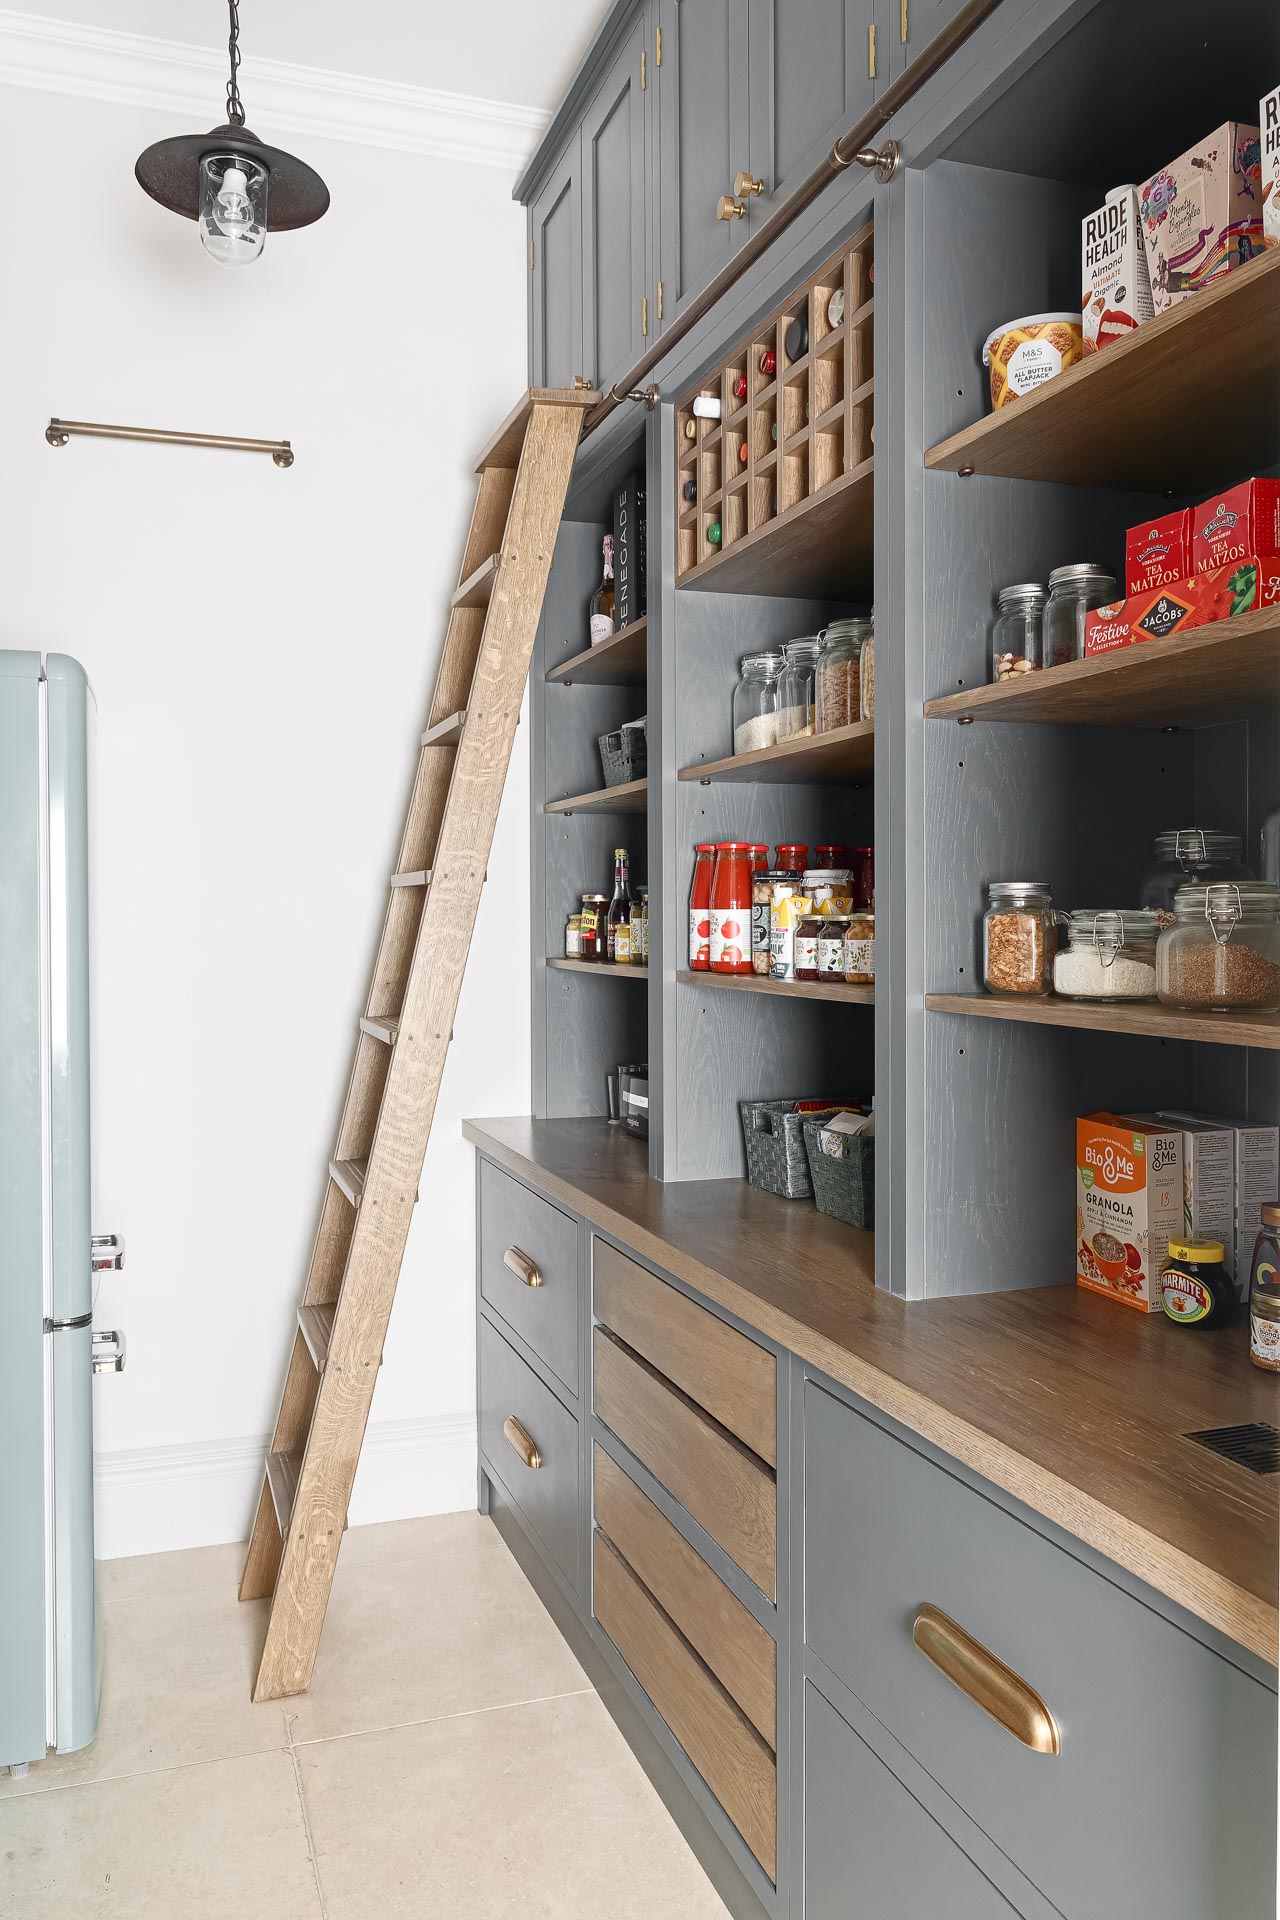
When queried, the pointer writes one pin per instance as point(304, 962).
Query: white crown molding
point(133, 69)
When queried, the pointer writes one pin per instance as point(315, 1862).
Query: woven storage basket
point(776, 1161)
point(844, 1184)
point(624, 755)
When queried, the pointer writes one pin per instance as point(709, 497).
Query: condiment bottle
point(833, 856)
point(704, 856)
point(1194, 1288)
point(860, 950)
point(591, 929)
point(731, 908)
point(1264, 1292)
point(792, 858)
point(805, 951)
point(831, 946)
point(573, 937)
point(618, 940)
point(759, 854)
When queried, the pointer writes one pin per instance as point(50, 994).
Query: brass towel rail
point(58, 432)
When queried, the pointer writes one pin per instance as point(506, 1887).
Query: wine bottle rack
point(798, 442)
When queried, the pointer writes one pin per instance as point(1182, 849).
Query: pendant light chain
point(235, 112)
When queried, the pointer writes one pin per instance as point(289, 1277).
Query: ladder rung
point(444, 730)
point(478, 586)
point(420, 877)
point(381, 1029)
point(282, 1478)
point(317, 1330)
point(348, 1177)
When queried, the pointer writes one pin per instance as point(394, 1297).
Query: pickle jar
point(837, 697)
point(1223, 949)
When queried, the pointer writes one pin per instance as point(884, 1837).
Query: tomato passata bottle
point(704, 855)
point(731, 908)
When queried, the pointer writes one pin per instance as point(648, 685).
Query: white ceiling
point(522, 51)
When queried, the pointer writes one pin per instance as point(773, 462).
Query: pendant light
point(235, 188)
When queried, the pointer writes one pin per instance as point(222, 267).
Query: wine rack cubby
point(795, 438)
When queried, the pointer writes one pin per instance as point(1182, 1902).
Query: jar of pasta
point(838, 697)
point(1019, 938)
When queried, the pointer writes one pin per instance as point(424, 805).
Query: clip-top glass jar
point(1223, 949)
point(796, 688)
point(755, 702)
point(1019, 938)
point(1017, 632)
point(1074, 591)
point(838, 697)
point(1110, 955)
point(1190, 856)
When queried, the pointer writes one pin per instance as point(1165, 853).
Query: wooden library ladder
point(404, 1037)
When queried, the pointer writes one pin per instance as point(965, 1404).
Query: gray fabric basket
point(844, 1185)
point(776, 1161)
point(624, 755)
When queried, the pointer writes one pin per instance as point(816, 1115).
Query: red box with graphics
point(1158, 553)
point(1242, 587)
point(1230, 526)
point(1152, 615)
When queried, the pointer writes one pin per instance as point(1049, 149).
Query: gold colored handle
point(521, 1442)
point(527, 1271)
point(903, 23)
point(997, 1689)
point(727, 208)
point(746, 184)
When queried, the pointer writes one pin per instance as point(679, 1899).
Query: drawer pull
point(521, 1442)
point(997, 1689)
point(525, 1270)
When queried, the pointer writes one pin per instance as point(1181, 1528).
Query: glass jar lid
point(1025, 889)
point(1224, 904)
point(1194, 846)
point(1108, 929)
point(844, 639)
point(803, 649)
point(1025, 590)
point(768, 662)
point(1078, 573)
point(826, 876)
point(589, 899)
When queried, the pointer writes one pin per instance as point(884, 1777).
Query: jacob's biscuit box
point(1153, 615)
point(1158, 553)
point(1239, 521)
point(1269, 126)
point(1128, 1205)
point(1113, 270)
point(1202, 214)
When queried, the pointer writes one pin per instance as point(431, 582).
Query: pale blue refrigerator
point(49, 1666)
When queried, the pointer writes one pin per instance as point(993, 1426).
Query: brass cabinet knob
point(745, 185)
point(521, 1442)
point(989, 1683)
point(517, 1261)
point(727, 208)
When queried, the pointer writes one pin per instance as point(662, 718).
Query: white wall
point(262, 645)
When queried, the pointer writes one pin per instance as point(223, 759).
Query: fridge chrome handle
point(108, 1252)
point(108, 1351)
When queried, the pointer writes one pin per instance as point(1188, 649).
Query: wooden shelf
point(827, 759)
point(632, 797)
point(787, 989)
point(1188, 401)
point(602, 969)
point(1227, 671)
point(821, 547)
point(1140, 1017)
point(618, 662)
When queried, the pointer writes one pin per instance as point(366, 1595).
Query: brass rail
point(58, 432)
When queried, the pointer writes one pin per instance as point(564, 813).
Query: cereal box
point(1208, 1182)
point(1269, 122)
point(1255, 1180)
point(1152, 615)
point(1128, 1206)
point(1240, 521)
point(1202, 215)
point(1113, 270)
point(1158, 552)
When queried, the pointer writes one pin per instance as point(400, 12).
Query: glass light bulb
point(233, 208)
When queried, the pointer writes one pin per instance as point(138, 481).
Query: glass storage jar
point(1190, 856)
point(860, 950)
point(1223, 949)
point(1019, 938)
point(796, 688)
point(755, 702)
point(808, 933)
point(1074, 591)
point(1110, 955)
point(1017, 632)
point(838, 698)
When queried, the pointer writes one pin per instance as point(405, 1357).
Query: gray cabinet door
point(556, 237)
point(811, 78)
point(702, 139)
point(870, 1848)
point(911, 25)
point(615, 281)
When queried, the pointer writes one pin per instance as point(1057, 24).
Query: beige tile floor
point(450, 1760)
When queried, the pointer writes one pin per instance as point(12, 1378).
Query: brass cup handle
point(746, 185)
point(727, 208)
point(997, 1689)
point(521, 1443)
point(527, 1271)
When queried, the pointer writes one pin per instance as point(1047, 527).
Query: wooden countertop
point(1074, 1406)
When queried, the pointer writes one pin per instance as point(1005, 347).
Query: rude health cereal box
point(1113, 270)
point(1128, 1205)
point(1202, 214)
point(1269, 123)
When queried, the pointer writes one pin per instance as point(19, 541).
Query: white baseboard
point(158, 1499)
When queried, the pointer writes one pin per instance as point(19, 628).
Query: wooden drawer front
point(547, 1495)
point(726, 1489)
point(738, 1650)
point(869, 1846)
point(1168, 1752)
point(727, 1751)
point(734, 1379)
point(543, 1243)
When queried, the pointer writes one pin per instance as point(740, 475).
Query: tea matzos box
point(1128, 1205)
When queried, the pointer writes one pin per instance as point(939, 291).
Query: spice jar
point(1186, 856)
point(837, 684)
point(704, 858)
point(573, 937)
point(755, 702)
point(1017, 632)
point(1074, 591)
point(1019, 938)
point(808, 932)
point(1264, 1292)
point(591, 927)
point(831, 946)
point(788, 906)
point(1223, 949)
point(829, 887)
point(796, 688)
point(1110, 955)
point(860, 950)
point(1194, 1288)
point(762, 885)
point(731, 908)
point(862, 877)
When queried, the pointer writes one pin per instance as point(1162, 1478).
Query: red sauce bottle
point(731, 908)
point(792, 859)
point(759, 857)
point(862, 876)
point(704, 855)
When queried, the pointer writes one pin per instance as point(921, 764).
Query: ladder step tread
point(507, 444)
point(282, 1478)
point(418, 877)
point(349, 1176)
point(382, 1028)
point(477, 588)
point(317, 1330)
point(445, 730)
